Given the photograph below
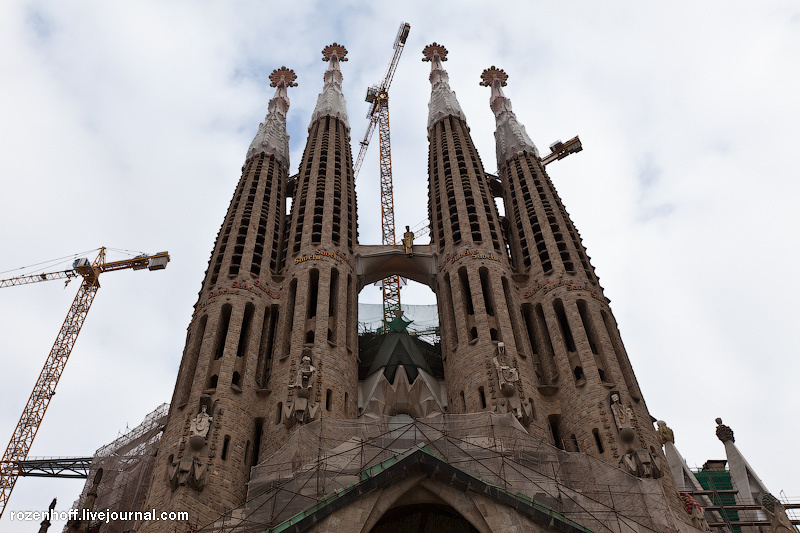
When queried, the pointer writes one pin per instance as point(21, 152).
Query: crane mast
point(33, 413)
point(378, 115)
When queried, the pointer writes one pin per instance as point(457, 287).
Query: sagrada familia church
point(526, 416)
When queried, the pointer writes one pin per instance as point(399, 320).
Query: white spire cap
point(443, 100)
point(510, 136)
point(331, 100)
point(271, 137)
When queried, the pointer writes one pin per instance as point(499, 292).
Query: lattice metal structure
point(329, 459)
point(127, 465)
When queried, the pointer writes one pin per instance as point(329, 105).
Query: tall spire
point(510, 136)
point(331, 100)
point(443, 100)
point(271, 137)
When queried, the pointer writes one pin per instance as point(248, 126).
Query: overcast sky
point(126, 125)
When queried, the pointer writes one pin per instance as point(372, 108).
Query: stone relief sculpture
point(637, 462)
point(302, 410)
point(623, 418)
point(201, 423)
point(509, 383)
point(190, 468)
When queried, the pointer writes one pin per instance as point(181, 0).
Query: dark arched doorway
point(423, 518)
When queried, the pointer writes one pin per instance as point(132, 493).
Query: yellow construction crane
point(378, 98)
point(45, 387)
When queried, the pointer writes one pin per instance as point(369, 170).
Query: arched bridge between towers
point(376, 262)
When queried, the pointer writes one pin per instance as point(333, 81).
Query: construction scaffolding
point(127, 465)
point(328, 459)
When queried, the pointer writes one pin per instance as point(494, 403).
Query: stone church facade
point(526, 417)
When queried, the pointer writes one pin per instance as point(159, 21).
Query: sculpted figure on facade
point(302, 410)
point(408, 242)
point(305, 376)
point(508, 380)
point(623, 418)
point(201, 423)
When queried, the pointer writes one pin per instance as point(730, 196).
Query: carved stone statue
point(305, 378)
point(201, 423)
point(623, 418)
point(696, 513)
point(408, 242)
point(198, 428)
point(302, 410)
point(507, 376)
point(664, 432)
point(776, 514)
point(508, 380)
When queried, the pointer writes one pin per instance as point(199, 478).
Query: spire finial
point(443, 100)
point(510, 136)
point(271, 137)
point(331, 100)
point(284, 76)
point(334, 49)
point(493, 73)
point(724, 433)
point(433, 50)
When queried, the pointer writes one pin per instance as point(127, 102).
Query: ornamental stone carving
point(510, 387)
point(302, 410)
point(623, 418)
point(724, 433)
point(664, 432)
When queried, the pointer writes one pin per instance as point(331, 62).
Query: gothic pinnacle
point(331, 100)
point(443, 101)
point(271, 137)
point(510, 136)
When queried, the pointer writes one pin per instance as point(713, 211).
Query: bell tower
point(474, 284)
point(215, 424)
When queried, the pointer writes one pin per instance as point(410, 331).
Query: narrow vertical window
point(328, 399)
point(486, 289)
point(466, 294)
point(566, 332)
point(257, 433)
point(193, 353)
point(222, 331)
point(482, 395)
point(244, 336)
point(333, 306)
point(225, 445)
point(597, 440)
point(448, 298)
point(555, 421)
point(313, 292)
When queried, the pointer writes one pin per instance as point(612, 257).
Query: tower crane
point(45, 387)
point(378, 115)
